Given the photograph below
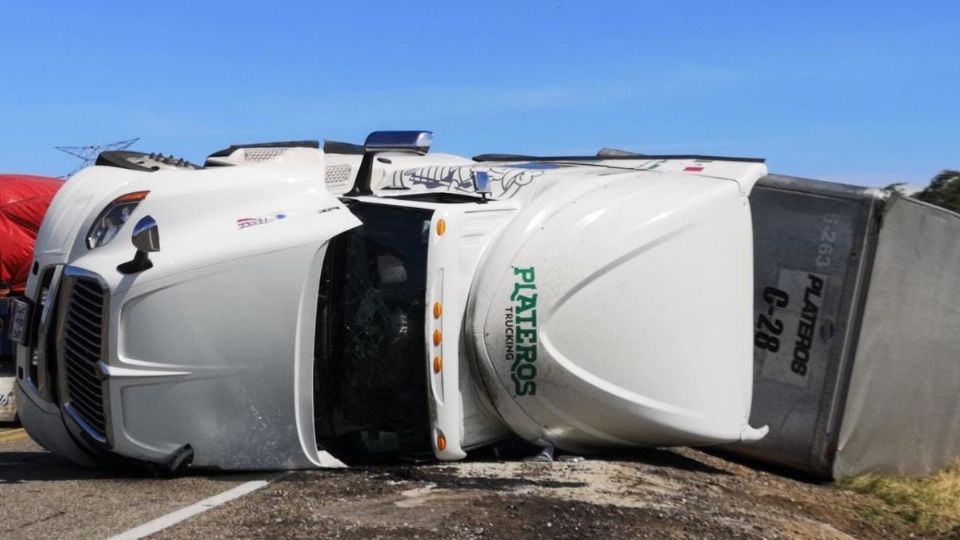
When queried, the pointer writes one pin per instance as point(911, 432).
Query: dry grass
point(932, 502)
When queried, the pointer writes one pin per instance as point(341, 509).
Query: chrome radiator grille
point(82, 349)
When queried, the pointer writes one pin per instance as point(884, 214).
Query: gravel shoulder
point(679, 493)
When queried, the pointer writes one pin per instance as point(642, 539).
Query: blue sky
point(861, 92)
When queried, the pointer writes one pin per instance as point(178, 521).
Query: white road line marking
point(188, 512)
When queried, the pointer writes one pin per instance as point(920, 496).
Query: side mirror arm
point(481, 185)
point(146, 238)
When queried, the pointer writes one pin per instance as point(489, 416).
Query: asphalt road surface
point(644, 494)
point(44, 496)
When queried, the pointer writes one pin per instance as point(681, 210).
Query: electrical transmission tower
point(88, 154)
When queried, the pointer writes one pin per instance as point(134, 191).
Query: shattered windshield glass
point(370, 389)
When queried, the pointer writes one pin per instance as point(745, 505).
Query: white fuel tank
point(619, 313)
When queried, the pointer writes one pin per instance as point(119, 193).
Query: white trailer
point(857, 306)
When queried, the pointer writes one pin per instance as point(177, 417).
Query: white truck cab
point(292, 306)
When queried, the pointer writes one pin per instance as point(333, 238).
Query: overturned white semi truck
point(293, 306)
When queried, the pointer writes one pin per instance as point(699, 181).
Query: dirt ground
point(650, 494)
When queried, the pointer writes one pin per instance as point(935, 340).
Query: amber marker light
point(437, 364)
point(136, 196)
point(441, 227)
point(441, 443)
point(437, 338)
point(437, 310)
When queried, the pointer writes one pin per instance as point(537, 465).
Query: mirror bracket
point(481, 184)
point(140, 262)
point(146, 238)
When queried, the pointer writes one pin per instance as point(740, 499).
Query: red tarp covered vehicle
point(23, 201)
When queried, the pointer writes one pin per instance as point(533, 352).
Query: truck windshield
point(370, 393)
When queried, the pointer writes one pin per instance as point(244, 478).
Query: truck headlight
point(112, 218)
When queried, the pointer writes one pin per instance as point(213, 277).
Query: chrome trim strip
point(87, 428)
point(42, 384)
point(73, 271)
point(71, 276)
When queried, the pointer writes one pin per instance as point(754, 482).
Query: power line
point(88, 154)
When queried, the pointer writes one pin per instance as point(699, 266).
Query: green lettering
point(526, 354)
point(526, 274)
point(528, 335)
point(526, 302)
point(531, 319)
point(517, 287)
